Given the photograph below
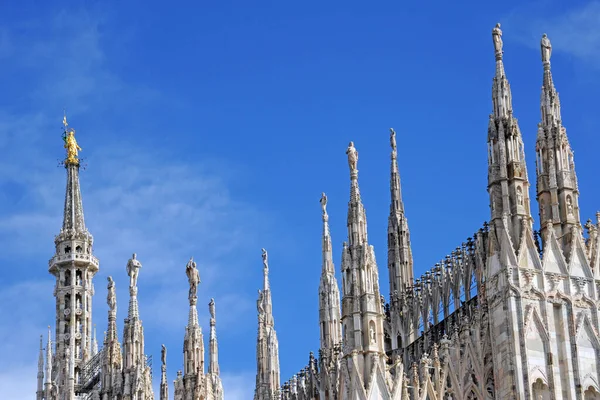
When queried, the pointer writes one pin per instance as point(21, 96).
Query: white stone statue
point(163, 354)
point(259, 303)
point(569, 205)
point(211, 308)
point(352, 157)
point(519, 196)
point(133, 268)
point(323, 201)
point(546, 48)
point(111, 298)
point(393, 139)
point(497, 36)
point(193, 278)
point(265, 258)
point(372, 334)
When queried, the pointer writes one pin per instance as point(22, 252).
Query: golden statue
point(72, 148)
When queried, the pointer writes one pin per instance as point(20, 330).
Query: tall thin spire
point(267, 346)
point(362, 308)
point(400, 261)
point(213, 366)
point(49, 357)
point(329, 293)
point(193, 347)
point(136, 372)
point(40, 374)
point(73, 212)
point(112, 357)
point(357, 227)
point(508, 184)
point(74, 267)
point(164, 385)
point(557, 189)
point(48, 381)
point(94, 343)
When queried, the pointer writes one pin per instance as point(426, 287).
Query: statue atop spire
point(111, 298)
point(163, 355)
point(393, 139)
point(546, 48)
point(133, 269)
point(265, 258)
point(193, 278)
point(70, 144)
point(211, 308)
point(497, 36)
point(352, 158)
point(323, 201)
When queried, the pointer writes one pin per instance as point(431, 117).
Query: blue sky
point(211, 130)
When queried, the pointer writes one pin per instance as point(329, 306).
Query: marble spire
point(267, 346)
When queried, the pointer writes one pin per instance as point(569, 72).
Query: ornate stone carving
point(497, 36)
point(133, 267)
point(352, 154)
point(546, 48)
point(193, 278)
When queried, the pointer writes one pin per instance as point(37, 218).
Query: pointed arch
point(588, 347)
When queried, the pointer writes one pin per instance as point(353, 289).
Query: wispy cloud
point(142, 201)
point(239, 386)
point(573, 31)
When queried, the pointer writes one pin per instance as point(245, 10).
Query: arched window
point(67, 281)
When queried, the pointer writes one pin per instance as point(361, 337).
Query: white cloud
point(573, 31)
point(238, 386)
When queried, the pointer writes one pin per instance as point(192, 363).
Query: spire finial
point(193, 278)
point(265, 258)
point(133, 269)
point(393, 139)
point(211, 308)
point(111, 298)
point(163, 354)
point(497, 37)
point(323, 201)
point(546, 48)
point(71, 145)
point(352, 158)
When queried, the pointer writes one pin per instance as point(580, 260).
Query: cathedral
point(510, 313)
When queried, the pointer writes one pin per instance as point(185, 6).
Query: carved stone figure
point(193, 278)
point(372, 334)
point(519, 196)
point(211, 308)
point(546, 48)
point(133, 267)
point(163, 354)
point(259, 303)
point(569, 205)
point(72, 147)
point(352, 157)
point(393, 139)
point(111, 299)
point(497, 36)
point(265, 258)
point(323, 202)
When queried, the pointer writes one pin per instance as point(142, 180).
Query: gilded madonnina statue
point(72, 147)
